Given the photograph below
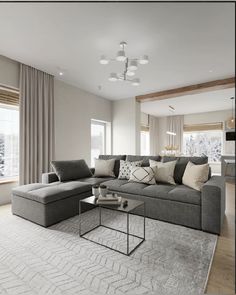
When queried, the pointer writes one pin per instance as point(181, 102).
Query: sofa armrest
point(49, 177)
point(213, 204)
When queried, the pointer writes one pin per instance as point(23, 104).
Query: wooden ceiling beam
point(188, 90)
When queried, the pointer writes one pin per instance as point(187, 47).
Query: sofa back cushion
point(71, 170)
point(117, 161)
point(182, 163)
point(145, 159)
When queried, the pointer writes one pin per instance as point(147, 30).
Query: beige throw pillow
point(195, 175)
point(164, 172)
point(104, 167)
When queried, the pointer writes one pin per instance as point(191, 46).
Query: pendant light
point(230, 123)
point(171, 131)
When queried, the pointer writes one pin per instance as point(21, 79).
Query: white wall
point(9, 72)
point(74, 109)
point(126, 126)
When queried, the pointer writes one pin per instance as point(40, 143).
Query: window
point(9, 141)
point(98, 139)
point(201, 141)
point(145, 141)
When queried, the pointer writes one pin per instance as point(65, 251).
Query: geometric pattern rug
point(35, 260)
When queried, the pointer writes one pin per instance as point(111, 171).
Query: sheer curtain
point(36, 123)
point(153, 133)
point(175, 124)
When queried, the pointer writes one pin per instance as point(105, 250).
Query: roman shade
point(203, 127)
point(9, 96)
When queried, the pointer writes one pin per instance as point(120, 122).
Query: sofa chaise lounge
point(51, 201)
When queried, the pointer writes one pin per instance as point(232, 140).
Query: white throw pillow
point(164, 172)
point(143, 175)
point(195, 175)
point(125, 168)
point(104, 167)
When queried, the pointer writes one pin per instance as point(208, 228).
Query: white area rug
point(55, 260)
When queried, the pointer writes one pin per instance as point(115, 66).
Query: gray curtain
point(175, 124)
point(36, 123)
point(153, 133)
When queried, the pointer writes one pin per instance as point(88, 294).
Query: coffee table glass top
point(132, 204)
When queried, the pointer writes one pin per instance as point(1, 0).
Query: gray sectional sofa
point(51, 201)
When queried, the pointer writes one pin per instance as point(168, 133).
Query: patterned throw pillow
point(143, 175)
point(125, 168)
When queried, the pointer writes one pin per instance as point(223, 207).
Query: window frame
point(13, 178)
point(144, 129)
point(104, 124)
point(204, 130)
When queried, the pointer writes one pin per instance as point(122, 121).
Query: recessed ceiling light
point(210, 71)
point(61, 73)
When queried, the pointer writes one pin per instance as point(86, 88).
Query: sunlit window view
point(207, 143)
point(98, 140)
point(145, 143)
point(9, 141)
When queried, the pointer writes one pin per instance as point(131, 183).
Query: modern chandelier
point(130, 66)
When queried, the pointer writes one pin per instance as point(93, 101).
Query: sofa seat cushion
point(179, 193)
point(185, 194)
point(158, 190)
point(95, 180)
point(50, 193)
point(115, 184)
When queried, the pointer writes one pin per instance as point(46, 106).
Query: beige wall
point(126, 126)
point(74, 109)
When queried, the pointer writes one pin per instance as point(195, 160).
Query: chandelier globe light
point(133, 66)
point(104, 60)
point(143, 60)
point(130, 73)
point(130, 65)
point(113, 77)
point(136, 82)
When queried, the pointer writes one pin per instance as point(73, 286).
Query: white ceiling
point(187, 43)
point(190, 104)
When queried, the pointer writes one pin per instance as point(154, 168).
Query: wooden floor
point(221, 277)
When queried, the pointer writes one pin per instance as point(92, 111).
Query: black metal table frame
point(82, 235)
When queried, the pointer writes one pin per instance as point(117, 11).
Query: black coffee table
point(132, 205)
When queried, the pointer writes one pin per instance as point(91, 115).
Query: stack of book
point(109, 200)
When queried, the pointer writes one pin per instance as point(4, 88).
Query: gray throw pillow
point(104, 168)
point(71, 170)
point(117, 161)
